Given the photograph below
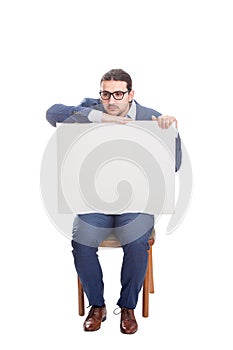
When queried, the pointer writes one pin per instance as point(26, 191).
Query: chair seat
point(112, 242)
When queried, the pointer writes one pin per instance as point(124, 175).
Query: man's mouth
point(112, 107)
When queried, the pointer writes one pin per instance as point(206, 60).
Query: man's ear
point(131, 95)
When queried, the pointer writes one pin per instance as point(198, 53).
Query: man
point(116, 104)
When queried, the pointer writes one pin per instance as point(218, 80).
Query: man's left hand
point(165, 121)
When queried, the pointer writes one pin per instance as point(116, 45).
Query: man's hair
point(118, 74)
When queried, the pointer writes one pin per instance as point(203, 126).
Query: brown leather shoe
point(96, 315)
point(128, 322)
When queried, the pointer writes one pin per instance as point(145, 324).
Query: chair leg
point(81, 306)
point(151, 274)
point(145, 298)
point(145, 292)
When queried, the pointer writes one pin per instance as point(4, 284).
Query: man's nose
point(112, 99)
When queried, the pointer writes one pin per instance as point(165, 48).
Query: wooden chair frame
point(148, 284)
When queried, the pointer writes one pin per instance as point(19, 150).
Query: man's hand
point(107, 118)
point(165, 121)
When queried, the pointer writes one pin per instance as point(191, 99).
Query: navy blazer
point(60, 113)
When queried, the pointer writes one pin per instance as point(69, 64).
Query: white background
point(179, 54)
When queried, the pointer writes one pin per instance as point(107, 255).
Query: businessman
point(115, 104)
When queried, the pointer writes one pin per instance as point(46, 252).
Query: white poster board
point(116, 168)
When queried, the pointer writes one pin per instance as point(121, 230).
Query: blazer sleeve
point(60, 113)
point(178, 152)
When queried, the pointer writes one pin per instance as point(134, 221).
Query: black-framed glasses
point(117, 95)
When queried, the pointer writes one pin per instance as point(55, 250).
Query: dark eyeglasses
point(117, 95)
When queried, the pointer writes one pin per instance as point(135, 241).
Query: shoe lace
point(127, 313)
point(117, 312)
point(93, 310)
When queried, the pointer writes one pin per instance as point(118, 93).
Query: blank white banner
point(114, 168)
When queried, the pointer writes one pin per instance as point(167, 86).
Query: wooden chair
point(148, 284)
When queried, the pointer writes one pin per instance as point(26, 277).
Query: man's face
point(113, 106)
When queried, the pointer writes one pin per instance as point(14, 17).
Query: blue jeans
point(89, 230)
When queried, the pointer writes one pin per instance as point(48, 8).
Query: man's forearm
point(60, 113)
